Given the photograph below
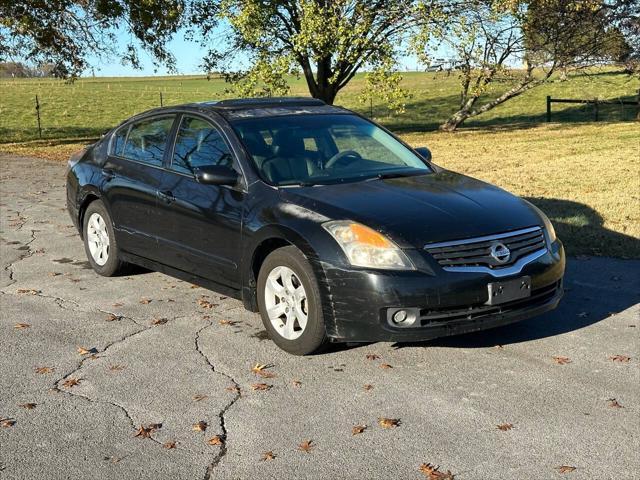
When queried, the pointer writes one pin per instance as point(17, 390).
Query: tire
point(96, 211)
point(289, 262)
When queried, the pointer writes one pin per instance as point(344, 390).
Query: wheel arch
point(88, 198)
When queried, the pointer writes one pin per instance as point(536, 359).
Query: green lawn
point(585, 175)
point(89, 106)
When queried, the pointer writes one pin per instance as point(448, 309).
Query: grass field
point(585, 175)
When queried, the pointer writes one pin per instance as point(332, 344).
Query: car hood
point(420, 209)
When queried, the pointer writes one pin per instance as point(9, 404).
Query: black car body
point(451, 227)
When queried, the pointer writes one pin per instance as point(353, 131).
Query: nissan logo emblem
point(500, 252)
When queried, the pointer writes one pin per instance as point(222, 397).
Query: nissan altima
point(327, 224)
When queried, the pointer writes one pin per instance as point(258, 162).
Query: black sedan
point(324, 222)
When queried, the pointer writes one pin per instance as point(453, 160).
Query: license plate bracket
point(509, 290)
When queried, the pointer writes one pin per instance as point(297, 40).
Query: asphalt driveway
point(86, 361)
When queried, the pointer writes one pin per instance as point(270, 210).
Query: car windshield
point(324, 149)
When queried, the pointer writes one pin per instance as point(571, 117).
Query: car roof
point(252, 107)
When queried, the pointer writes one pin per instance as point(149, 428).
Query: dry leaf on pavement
point(7, 422)
point(169, 445)
point(71, 382)
point(216, 440)
point(358, 429)
point(565, 469)
point(505, 426)
point(389, 422)
point(613, 403)
point(432, 472)
point(266, 456)
point(21, 325)
point(27, 406)
point(561, 360)
point(306, 446)
point(44, 370)
point(201, 426)
point(261, 386)
point(620, 358)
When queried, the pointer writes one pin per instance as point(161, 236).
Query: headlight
point(364, 247)
point(548, 226)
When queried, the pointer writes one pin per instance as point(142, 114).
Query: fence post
point(548, 108)
point(595, 104)
point(161, 99)
point(38, 115)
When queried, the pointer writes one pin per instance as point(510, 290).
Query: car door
point(132, 174)
point(201, 224)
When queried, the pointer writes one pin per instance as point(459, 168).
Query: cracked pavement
point(160, 356)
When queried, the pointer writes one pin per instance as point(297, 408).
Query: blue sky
point(188, 57)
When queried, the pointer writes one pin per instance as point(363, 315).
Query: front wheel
point(289, 302)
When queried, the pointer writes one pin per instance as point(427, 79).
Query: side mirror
point(216, 175)
point(424, 152)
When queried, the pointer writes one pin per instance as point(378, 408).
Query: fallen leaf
point(116, 368)
point(306, 446)
point(169, 445)
point(385, 366)
point(368, 387)
point(112, 317)
point(561, 360)
point(233, 388)
point(145, 301)
point(358, 429)
point(389, 422)
point(54, 274)
point(118, 304)
point(267, 456)
point(44, 370)
point(86, 351)
point(296, 383)
point(613, 403)
point(71, 382)
point(226, 322)
point(144, 432)
point(201, 426)
point(155, 426)
point(7, 422)
point(260, 369)
point(159, 321)
point(372, 356)
point(505, 426)
point(261, 386)
point(28, 291)
point(27, 406)
point(21, 325)
point(620, 358)
point(432, 472)
point(216, 440)
point(565, 469)
point(199, 397)
point(204, 303)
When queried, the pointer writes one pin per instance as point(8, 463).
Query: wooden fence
point(594, 102)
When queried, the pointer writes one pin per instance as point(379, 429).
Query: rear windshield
point(316, 149)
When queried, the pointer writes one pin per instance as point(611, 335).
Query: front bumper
point(449, 303)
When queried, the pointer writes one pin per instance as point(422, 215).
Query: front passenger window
point(198, 144)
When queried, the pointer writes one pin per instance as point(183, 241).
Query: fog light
point(400, 316)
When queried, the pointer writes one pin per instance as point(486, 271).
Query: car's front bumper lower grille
point(435, 316)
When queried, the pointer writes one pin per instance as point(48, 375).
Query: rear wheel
point(289, 302)
point(99, 240)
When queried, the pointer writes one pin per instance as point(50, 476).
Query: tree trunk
point(455, 120)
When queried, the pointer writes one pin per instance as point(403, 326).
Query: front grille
point(441, 316)
point(477, 251)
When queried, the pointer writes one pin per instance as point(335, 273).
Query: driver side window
point(198, 143)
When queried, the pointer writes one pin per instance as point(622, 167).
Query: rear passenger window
point(147, 140)
point(117, 143)
point(198, 143)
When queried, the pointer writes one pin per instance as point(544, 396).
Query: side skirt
point(182, 275)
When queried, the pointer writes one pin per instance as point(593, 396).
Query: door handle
point(108, 174)
point(166, 197)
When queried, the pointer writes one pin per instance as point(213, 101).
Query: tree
point(492, 37)
point(65, 33)
point(327, 41)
